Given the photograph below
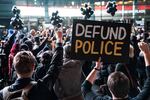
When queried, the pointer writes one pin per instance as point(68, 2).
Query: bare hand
point(98, 65)
point(144, 47)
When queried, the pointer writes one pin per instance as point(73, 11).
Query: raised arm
point(36, 51)
point(144, 94)
point(92, 76)
point(87, 84)
point(56, 63)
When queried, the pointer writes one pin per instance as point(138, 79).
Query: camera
point(16, 21)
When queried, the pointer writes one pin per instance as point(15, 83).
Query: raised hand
point(144, 47)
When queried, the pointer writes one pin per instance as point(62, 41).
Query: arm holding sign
point(56, 63)
point(92, 76)
point(87, 84)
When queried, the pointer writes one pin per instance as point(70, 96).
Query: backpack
point(21, 94)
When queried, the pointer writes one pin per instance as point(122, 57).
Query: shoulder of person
point(1, 93)
point(106, 97)
point(4, 93)
point(72, 63)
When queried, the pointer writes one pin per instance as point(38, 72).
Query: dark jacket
point(90, 95)
point(43, 90)
point(40, 71)
point(68, 84)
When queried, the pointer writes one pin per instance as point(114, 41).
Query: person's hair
point(46, 57)
point(37, 39)
point(29, 43)
point(121, 67)
point(24, 47)
point(23, 62)
point(21, 36)
point(24, 39)
point(118, 84)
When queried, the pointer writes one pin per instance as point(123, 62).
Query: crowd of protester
point(41, 60)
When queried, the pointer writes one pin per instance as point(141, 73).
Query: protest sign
point(94, 39)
